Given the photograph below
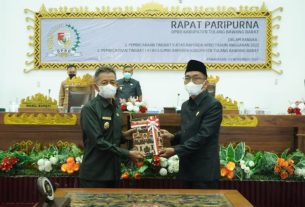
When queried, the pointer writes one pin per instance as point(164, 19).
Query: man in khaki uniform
point(71, 71)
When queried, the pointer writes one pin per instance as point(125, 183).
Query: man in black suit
point(128, 87)
point(197, 144)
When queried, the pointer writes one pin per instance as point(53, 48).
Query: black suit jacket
point(197, 144)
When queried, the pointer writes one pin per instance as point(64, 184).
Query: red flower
point(156, 161)
point(143, 109)
point(123, 107)
point(297, 111)
point(5, 160)
point(7, 163)
point(13, 160)
point(290, 110)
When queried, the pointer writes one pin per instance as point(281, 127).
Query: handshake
point(135, 156)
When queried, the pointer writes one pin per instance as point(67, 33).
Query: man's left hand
point(128, 134)
point(167, 152)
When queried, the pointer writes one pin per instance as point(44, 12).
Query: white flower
point(301, 106)
point(251, 163)
point(163, 172)
point(47, 163)
point(79, 159)
point(163, 162)
point(40, 162)
point(129, 107)
point(41, 168)
point(242, 162)
point(176, 167)
point(48, 168)
point(247, 170)
point(174, 158)
point(303, 172)
point(298, 172)
point(53, 160)
point(136, 109)
point(138, 103)
point(171, 168)
point(243, 166)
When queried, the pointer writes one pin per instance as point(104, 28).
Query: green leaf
point(223, 162)
point(296, 156)
point(230, 153)
point(223, 153)
point(266, 162)
point(249, 156)
point(301, 163)
point(239, 151)
point(284, 154)
point(142, 169)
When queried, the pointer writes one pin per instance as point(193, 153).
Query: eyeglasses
point(194, 79)
point(104, 83)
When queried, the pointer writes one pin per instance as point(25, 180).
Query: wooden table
point(272, 133)
point(236, 199)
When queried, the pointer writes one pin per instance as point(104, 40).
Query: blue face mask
point(127, 75)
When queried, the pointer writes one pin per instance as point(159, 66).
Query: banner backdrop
point(154, 37)
point(239, 40)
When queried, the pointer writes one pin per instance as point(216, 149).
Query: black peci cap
point(194, 65)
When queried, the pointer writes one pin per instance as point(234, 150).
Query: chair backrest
point(212, 89)
point(78, 98)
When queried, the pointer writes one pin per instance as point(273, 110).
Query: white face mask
point(194, 89)
point(107, 91)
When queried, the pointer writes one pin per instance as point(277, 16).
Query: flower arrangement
point(70, 166)
point(284, 168)
point(243, 164)
point(290, 165)
point(237, 162)
point(229, 157)
point(12, 161)
point(133, 105)
point(169, 166)
point(296, 108)
point(46, 165)
point(227, 171)
point(151, 166)
point(33, 158)
point(8, 163)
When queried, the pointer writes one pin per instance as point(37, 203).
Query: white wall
point(160, 88)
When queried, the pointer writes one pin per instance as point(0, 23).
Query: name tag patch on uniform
point(108, 118)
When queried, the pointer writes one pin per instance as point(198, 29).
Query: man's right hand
point(135, 155)
point(166, 134)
